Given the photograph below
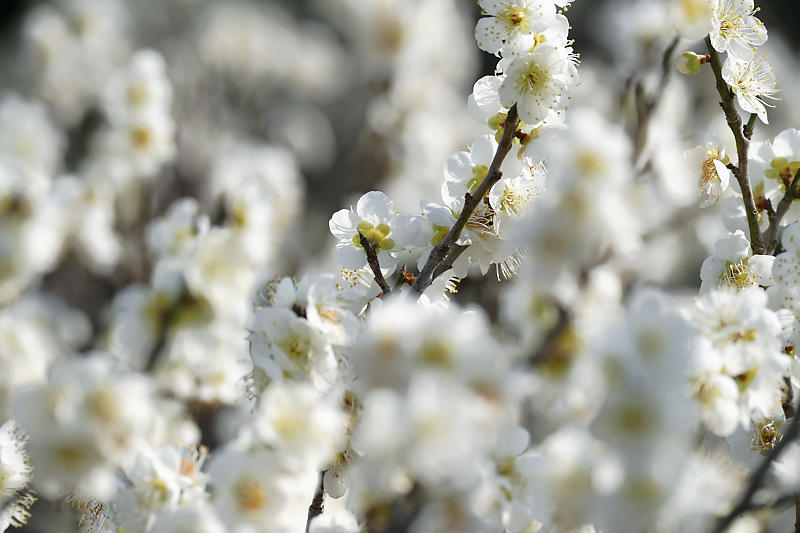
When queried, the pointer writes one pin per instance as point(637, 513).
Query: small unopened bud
point(689, 63)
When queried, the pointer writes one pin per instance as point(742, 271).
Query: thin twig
point(316, 507)
point(471, 201)
point(372, 260)
point(549, 347)
point(770, 239)
point(778, 503)
point(646, 105)
point(750, 126)
point(742, 148)
point(759, 475)
point(447, 262)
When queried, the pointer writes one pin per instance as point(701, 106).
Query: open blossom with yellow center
point(710, 161)
point(537, 81)
point(752, 81)
point(733, 266)
point(376, 219)
point(510, 21)
point(736, 29)
point(692, 18)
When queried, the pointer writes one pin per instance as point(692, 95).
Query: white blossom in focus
point(753, 82)
point(537, 82)
point(15, 474)
point(509, 21)
point(734, 266)
point(736, 30)
point(713, 175)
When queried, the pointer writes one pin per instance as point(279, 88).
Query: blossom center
point(737, 275)
point(515, 18)
point(378, 236)
point(708, 170)
point(250, 495)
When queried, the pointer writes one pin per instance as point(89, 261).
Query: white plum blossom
point(285, 346)
point(510, 21)
point(83, 422)
point(786, 269)
point(747, 337)
point(303, 425)
point(710, 161)
point(734, 266)
point(507, 200)
point(163, 282)
point(169, 235)
point(716, 392)
point(198, 518)
point(753, 82)
point(141, 88)
point(28, 138)
point(15, 475)
point(377, 220)
point(736, 30)
point(693, 18)
point(157, 480)
point(537, 82)
point(776, 163)
point(255, 491)
point(433, 443)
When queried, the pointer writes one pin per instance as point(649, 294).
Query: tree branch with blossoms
point(740, 171)
point(374, 264)
point(758, 476)
point(775, 216)
point(471, 201)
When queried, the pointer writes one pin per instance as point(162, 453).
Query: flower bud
point(689, 63)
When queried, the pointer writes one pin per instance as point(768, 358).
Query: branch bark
point(742, 148)
point(759, 475)
point(447, 262)
point(770, 239)
point(316, 507)
point(374, 265)
point(471, 201)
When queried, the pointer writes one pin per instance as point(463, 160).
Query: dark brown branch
point(742, 148)
point(316, 507)
point(771, 234)
point(374, 265)
point(759, 475)
point(778, 503)
point(447, 262)
point(471, 201)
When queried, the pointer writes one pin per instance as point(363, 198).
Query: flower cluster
point(158, 373)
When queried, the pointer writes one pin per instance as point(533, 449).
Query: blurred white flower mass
point(383, 266)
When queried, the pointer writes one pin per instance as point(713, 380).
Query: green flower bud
point(779, 163)
point(689, 63)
